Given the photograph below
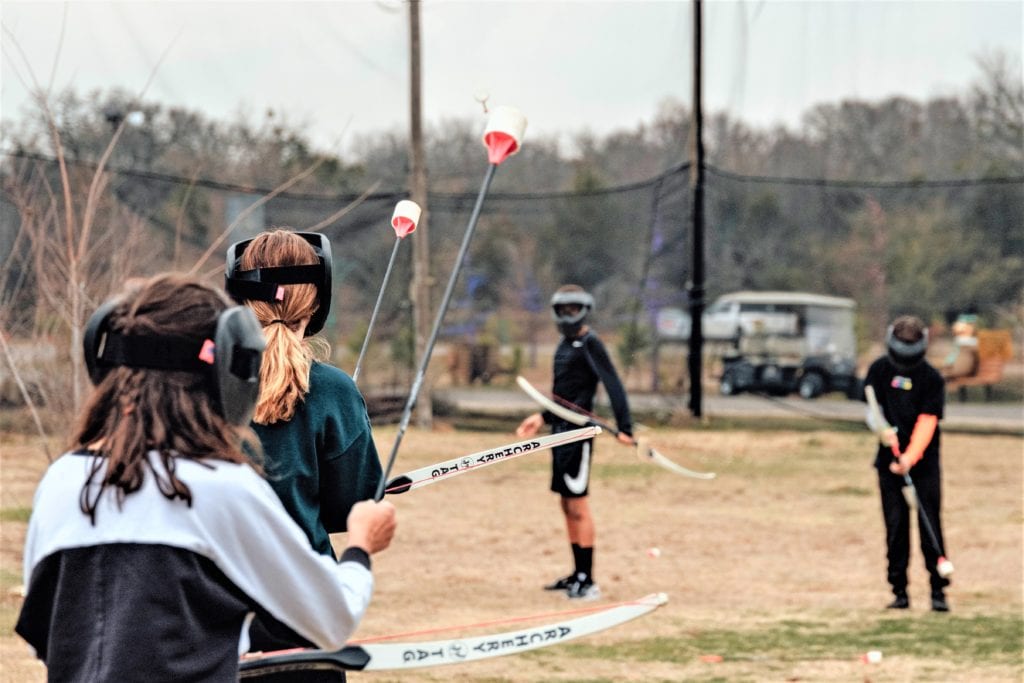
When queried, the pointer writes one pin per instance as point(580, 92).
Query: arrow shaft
point(376, 310)
point(428, 350)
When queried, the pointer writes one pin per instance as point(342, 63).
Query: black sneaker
point(902, 601)
point(939, 603)
point(583, 589)
point(561, 584)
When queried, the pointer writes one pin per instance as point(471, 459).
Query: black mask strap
point(263, 284)
point(158, 353)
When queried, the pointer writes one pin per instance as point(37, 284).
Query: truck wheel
point(811, 385)
point(727, 386)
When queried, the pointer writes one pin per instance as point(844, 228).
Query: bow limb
point(876, 421)
point(383, 656)
point(570, 416)
point(466, 463)
point(573, 417)
point(670, 465)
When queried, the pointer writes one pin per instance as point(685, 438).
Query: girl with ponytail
point(319, 453)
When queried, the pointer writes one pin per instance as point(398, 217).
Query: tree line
point(903, 205)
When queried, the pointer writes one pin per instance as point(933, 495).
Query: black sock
point(576, 557)
point(585, 561)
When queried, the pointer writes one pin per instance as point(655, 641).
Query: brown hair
point(284, 374)
point(908, 328)
point(133, 411)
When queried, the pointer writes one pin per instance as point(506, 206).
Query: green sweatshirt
point(322, 461)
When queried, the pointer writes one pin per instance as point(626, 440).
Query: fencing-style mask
point(905, 355)
point(569, 323)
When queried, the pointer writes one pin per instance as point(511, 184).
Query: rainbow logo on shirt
point(900, 382)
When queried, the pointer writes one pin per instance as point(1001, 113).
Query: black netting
point(893, 247)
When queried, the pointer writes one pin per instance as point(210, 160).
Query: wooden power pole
point(421, 280)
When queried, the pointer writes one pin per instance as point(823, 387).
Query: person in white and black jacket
point(154, 541)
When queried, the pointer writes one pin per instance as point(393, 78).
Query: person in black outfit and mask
point(580, 362)
point(911, 394)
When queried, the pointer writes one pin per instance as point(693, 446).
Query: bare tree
point(998, 106)
point(73, 227)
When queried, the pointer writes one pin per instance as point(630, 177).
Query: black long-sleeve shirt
point(581, 363)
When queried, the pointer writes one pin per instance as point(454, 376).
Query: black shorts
point(570, 466)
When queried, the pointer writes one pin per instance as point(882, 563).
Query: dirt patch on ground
point(790, 531)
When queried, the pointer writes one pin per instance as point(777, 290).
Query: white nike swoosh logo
point(578, 484)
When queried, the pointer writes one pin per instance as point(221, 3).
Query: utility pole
point(695, 286)
point(421, 280)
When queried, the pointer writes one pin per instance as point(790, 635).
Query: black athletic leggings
point(896, 513)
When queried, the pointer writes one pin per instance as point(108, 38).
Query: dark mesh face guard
point(581, 299)
point(905, 355)
point(230, 362)
point(264, 284)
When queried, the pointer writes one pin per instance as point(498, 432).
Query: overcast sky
point(342, 67)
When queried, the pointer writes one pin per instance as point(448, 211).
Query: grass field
point(775, 571)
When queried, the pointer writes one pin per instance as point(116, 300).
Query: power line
point(566, 194)
point(204, 182)
point(867, 184)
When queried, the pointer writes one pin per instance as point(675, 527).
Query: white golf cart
point(783, 342)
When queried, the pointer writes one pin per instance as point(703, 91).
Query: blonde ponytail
point(284, 374)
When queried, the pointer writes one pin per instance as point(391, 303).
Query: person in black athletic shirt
point(581, 361)
point(911, 394)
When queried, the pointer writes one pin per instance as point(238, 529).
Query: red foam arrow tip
point(403, 226)
point(500, 146)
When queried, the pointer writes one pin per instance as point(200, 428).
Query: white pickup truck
point(749, 313)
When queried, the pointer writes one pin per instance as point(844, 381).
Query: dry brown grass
point(790, 531)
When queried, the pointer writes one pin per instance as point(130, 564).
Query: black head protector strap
point(230, 361)
point(264, 284)
point(905, 355)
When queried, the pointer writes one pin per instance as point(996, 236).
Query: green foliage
point(354, 341)
point(854, 491)
point(633, 341)
point(584, 244)
point(18, 514)
point(980, 639)
point(488, 267)
point(516, 367)
point(925, 249)
point(403, 347)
